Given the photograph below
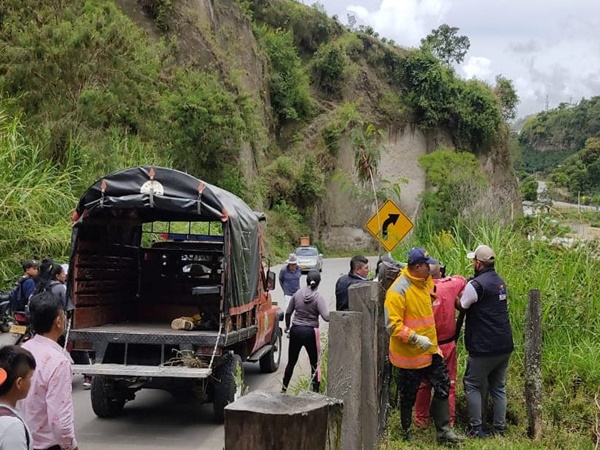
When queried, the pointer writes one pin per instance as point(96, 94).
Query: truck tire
point(269, 363)
point(225, 388)
point(104, 401)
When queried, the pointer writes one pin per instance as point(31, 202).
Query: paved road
point(154, 420)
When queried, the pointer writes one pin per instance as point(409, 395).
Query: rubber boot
point(440, 412)
point(405, 421)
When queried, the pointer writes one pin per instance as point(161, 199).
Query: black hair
point(44, 276)
point(357, 262)
point(313, 279)
point(16, 362)
point(57, 269)
point(28, 263)
point(44, 308)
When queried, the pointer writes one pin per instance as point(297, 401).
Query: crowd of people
point(420, 309)
point(36, 406)
point(36, 403)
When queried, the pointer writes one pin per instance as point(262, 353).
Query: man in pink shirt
point(447, 289)
point(48, 409)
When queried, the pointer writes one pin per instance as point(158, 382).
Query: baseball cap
point(482, 253)
point(419, 255)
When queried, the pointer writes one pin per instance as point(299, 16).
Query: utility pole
point(547, 103)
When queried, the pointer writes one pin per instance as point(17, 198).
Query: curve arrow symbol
point(391, 220)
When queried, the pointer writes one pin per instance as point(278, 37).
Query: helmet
point(313, 278)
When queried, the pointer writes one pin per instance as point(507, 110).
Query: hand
point(422, 341)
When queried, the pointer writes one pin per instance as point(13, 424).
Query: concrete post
point(363, 297)
point(344, 372)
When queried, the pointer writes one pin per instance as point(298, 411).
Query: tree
point(445, 43)
point(529, 190)
point(507, 97)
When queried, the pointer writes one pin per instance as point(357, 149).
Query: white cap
point(482, 253)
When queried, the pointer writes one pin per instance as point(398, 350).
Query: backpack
point(15, 297)
point(7, 412)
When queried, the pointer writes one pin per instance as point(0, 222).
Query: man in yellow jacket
point(413, 344)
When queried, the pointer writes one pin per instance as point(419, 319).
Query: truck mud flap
point(260, 353)
point(121, 370)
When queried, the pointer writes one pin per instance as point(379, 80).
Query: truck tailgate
point(141, 371)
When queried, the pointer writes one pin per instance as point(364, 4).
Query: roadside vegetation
point(562, 146)
point(571, 324)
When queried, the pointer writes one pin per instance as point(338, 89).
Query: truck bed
point(153, 333)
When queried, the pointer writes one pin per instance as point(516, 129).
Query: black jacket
point(341, 290)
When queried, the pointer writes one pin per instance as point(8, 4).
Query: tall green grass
point(568, 280)
point(38, 196)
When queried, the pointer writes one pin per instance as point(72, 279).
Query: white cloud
point(406, 21)
point(477, 67)
point(551, 50)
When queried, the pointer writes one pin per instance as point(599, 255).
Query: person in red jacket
point(447, 289)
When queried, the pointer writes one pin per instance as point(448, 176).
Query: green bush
point(290, 89)
point(330, 69)
point(457, 183)
point(311, 27)
point(529, 190)
point(438, 98)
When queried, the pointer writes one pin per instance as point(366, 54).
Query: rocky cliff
point(221, 36)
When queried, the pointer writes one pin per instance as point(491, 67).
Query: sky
point(549, 49)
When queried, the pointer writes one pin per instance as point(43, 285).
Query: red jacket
point(446, 291)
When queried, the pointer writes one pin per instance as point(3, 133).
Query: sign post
point(389, 225)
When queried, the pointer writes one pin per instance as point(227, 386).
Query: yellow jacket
point(407, 309)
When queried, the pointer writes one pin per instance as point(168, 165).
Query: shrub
point(290, 89)
point(330, 68)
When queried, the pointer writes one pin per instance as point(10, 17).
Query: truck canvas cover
point(150, 194)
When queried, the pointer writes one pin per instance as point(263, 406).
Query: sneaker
point(475, 432)
point(87, 383)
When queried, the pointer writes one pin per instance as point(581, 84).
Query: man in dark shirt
point(359, 270)
point(19, 296)
point(289, 279)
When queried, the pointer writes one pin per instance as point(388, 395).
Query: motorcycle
point(14, 325)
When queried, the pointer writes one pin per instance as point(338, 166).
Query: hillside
point(272, 100)
point(563, 143)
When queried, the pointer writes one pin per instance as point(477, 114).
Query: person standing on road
point(307, 304)
point(289, 279)
point(56, 286)
point(48, 409)
point(447, 290)
point(413, 347)
point(488, 340)
point(16, 369)
point(23, 290)
point(359, 271)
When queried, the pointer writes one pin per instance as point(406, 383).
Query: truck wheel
point(225, 389)
point(270, 362)
point(105, 402)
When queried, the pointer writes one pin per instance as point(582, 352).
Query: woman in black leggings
point(307, 305)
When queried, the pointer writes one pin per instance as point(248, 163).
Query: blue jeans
point(486, 374)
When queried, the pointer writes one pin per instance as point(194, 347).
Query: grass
point(571, 346)
point(567, 280)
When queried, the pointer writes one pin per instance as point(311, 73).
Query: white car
point(309, 258)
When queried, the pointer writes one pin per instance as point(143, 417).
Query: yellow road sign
point(389, 225)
